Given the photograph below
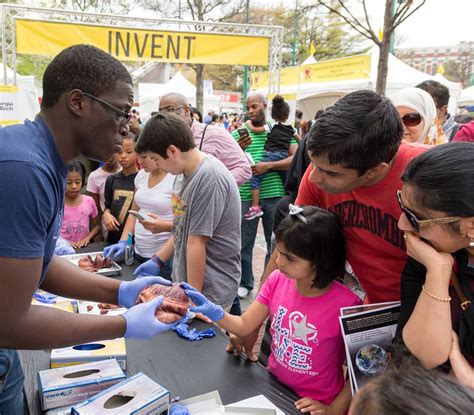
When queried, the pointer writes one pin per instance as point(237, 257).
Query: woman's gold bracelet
point(446, 300)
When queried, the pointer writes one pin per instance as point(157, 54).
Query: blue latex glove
point(183, 331)
point(115, 250)
point(203, 305)
point(129, 290)
point(141, 320)
point(46, 298)
point(149, 267)
point(63, 247)
point(178, 409)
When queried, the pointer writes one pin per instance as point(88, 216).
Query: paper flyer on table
point(368, 340)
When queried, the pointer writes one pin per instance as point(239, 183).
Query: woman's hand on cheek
point(425, 254)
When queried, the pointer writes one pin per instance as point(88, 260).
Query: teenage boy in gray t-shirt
point(206, 212)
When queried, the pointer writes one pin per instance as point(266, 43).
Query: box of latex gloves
point(136, 395)
point(90, 352)
point(72, 384)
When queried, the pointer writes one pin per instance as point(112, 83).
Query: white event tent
point(149, 94)
point(467, 97)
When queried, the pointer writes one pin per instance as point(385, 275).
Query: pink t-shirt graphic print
point(76, 220)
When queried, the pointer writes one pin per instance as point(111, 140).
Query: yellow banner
point(354, 67)
point(288, 76)
point(49, 38)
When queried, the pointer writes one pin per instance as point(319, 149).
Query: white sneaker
point(243, 292)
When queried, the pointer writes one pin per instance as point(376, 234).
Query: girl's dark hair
point(443, 179)
point(77, 166)
point(413, 390)
point(280, 109)
point(320, 240)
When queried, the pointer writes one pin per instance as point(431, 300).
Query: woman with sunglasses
point(418, 113)
point(437, 202)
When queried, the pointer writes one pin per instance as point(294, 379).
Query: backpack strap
point(202, 137)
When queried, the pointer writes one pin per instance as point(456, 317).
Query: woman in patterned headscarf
point(418, 112)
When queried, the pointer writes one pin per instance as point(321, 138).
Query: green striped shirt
point(272, 185)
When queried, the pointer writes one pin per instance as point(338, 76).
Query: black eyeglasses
point(170, 109)
point(124, 116)
point(419, 224)
point(412, 119)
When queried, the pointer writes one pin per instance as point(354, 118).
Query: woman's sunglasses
point(419, 224)
point(412, 119)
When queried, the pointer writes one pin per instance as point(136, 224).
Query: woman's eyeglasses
point(412, 119)
point(123, 116)
point(419, 224)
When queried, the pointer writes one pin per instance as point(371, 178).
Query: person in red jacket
point(465, 133)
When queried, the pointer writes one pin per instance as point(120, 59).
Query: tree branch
point(402, 19)
point(367, 16)
point(352, 23)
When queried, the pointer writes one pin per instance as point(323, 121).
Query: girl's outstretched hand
point(202, 304)
point(312, 407)
point(425, 254)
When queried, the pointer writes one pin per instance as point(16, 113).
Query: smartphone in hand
point(243, 133)
point(138, 215)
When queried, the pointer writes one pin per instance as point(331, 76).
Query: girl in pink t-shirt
point(303, 301)
point(80, 219)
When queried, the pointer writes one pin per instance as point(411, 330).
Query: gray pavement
point(258, 266)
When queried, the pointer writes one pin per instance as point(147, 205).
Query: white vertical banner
point(207, 87)
point(9, 105)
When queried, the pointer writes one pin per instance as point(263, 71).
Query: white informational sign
point(9, 105)
point(207, 87)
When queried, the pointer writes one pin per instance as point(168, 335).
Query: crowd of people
point(383, 185)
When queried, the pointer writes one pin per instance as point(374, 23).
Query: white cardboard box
point(138, 395)
point(90, 352)
point(71, 384)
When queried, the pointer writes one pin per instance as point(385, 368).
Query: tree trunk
point(384, 48)
point(382, 68)
point(199, 88)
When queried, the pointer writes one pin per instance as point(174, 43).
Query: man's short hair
point(360, 131)
point(163, 130)
point(176, 97)
point(82, 67)
point(439, 92)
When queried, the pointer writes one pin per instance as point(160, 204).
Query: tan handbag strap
point(465, 303)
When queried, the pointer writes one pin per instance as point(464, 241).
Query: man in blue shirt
point(87, 98)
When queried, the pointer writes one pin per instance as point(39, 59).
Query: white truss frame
point(11, 12)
